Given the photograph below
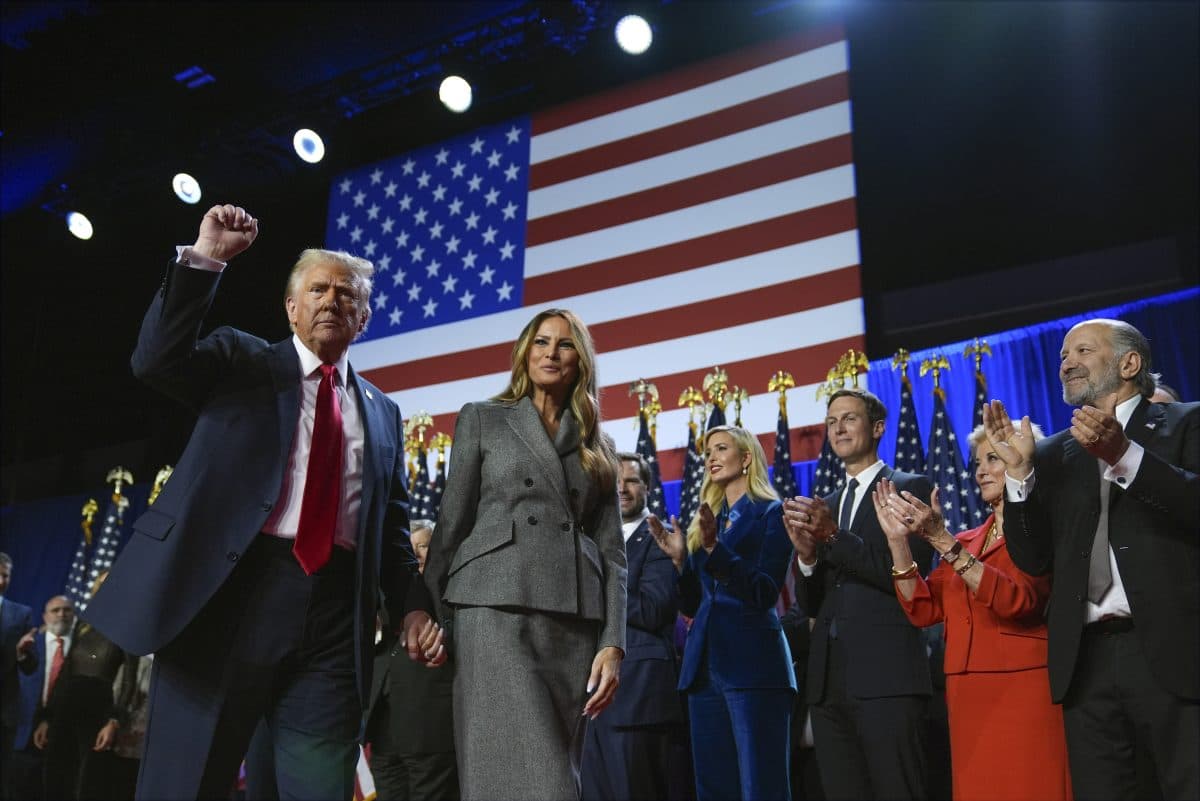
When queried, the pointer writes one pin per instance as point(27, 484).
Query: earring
point(745, 471)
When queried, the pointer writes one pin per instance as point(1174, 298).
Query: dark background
point(1015, 162)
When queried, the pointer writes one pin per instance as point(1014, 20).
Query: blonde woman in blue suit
point(737, 670)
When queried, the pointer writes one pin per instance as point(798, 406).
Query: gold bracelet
point(971, 560)
point(907, 572)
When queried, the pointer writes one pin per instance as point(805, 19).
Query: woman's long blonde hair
point(758, 486)
point(596, 452)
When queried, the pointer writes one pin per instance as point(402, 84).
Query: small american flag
point(648, 451)
point(784, 480)
point(946, 470)
point(830, 474)
point(910, 455)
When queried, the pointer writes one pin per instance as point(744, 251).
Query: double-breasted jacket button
point(532, 520)
point(566, 526)
point(529, 482)
point(266, 507)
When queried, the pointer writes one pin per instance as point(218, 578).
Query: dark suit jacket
point(647, 695)
point(30, 695)
point(731, 595)
point(15, 620)
point(1152, 526)
point(419, 700)
point(852, 583)
point(247, 395)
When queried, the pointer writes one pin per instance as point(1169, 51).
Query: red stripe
point(733, 243)
point(694, 318)
point(683, 79)
point(744, 177)
point(807, 366)
point(686, 133)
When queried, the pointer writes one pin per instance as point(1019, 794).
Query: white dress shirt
point(1115, 601)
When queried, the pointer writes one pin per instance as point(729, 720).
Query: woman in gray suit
point(528, 566)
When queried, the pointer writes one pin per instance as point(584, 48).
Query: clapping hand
point(1014, 446)
point(708, 528)
point(902, 513)
point(1098, 431)
point(670, 541)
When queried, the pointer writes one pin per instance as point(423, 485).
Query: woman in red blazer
point(1006, 737)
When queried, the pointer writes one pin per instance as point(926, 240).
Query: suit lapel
point(284, 365)
point(373, 426)
point(525, 423)
point(862, 492)
point(1147, 419)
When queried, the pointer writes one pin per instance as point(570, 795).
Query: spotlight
point(79, 225)
point(309, 146)
point(455, 93)
point(186, 188)
point(634, 34)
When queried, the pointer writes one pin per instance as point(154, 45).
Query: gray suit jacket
point(523, 526)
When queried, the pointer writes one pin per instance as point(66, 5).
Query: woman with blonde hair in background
point(737, 670)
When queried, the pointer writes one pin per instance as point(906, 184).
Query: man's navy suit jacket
point(246, 394)
point(648, 671)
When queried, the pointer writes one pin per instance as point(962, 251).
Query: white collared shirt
point(628, 528)
point(1115, 601)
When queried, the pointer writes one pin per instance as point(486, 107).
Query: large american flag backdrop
point(704, 217)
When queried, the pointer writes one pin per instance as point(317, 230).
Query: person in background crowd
point(1109, 506)
point(78, 723)
point(130, 741)
point(868, 670)
point(410, 719)
point(255, 577)
point(528, 566)
point(737, 670)
point(997, 686)
point(1163, 393)
point(16, 656)
point(627, 751)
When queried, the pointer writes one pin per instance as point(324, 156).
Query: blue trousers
point(740, 741)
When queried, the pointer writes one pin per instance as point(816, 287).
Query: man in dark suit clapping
point(868, 673)
point(1110, 506)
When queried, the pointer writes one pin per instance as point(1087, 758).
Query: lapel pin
point(369, 395)
point(1151, 425)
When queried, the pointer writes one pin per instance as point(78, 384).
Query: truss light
point(79, 225)
point(455, 93)
point(309, 146)
point(634, 34)
point(186, 188)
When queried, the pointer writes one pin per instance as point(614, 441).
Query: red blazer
point(1001, 627)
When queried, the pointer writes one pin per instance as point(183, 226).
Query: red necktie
point(56, 664)
point(322, 484)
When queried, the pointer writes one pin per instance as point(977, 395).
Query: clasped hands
point(424, 639)
point(808, 522)
point(900, 514)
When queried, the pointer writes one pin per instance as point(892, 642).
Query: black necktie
point(848, 505)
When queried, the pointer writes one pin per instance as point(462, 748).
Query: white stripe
point(703, 219)
point(731, 91)
point(737, 148)
point(697, 352)
point(627, 300)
